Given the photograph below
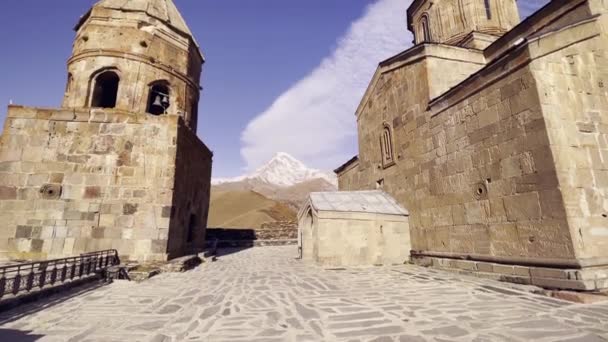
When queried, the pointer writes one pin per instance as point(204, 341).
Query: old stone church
point(493, 133)
point(119, 165)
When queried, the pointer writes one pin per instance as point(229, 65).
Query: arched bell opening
point(105, 90)
point(159, 98)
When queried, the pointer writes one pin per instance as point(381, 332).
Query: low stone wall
point(550, 278)
point(270, 234)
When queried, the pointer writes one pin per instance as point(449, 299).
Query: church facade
point(119, 165)
point(493, 134)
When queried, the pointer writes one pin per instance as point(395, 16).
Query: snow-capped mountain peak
point(282, 170)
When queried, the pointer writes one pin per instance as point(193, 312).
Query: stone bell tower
point(467, 23)
point(119, 165)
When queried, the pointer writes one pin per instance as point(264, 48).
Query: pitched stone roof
point(163, 10)
point(373, 202)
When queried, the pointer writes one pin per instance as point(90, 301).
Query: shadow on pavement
point(231, 234)
point(10, 335)
point(231, 240)
point(223, 251)
point(14, 309)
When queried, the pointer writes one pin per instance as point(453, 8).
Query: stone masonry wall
point(573, 88)
point(73, 181)
point(191, 194)
point(492, 187)
point(397, 97)
point(451, 20)
point(400, 98)
point(474, 175)
point(508, 165)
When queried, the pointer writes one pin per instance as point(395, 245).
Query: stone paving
point(265, 294)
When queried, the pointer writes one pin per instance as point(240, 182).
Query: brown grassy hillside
point(245, 209)
point(292, 196)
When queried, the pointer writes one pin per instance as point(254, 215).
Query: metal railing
point(23, 278)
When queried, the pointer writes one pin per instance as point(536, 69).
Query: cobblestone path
point(264, 294)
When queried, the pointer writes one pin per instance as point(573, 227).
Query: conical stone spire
point(163, 10)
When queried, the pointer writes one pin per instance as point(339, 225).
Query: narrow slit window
point(192, 225)
point(68, 86)
point(386, 144)
point(426, 32)
point(488, 9)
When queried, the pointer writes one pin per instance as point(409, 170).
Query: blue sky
point(281, 75)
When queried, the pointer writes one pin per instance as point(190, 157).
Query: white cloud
point(314, 119)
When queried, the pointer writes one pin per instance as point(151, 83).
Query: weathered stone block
point(125, 221)
point(502, 269)
point(56, 178)
point(60, 232)
point(524, 207)
point(8, 193)
point(475, 212)
point(129, 208)
point(485, 267)
point(465, 265)
point(92, 192)
point(139, 193)
point(167, 211)
point(107, 220)
point(37, 245)
point(57, 245)
point(538, 272)
point(37, 179)
point(23, 232)
point(159, 246)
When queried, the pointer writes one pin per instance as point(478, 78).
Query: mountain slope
point(294, 196)
point(273, 193)
point(245, 209)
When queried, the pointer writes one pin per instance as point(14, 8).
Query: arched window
point(105, 90)
point(386, 144)
point(68, 86)
point(426, 30)
point(488, 9)
point(194, 113)
point(159, 98)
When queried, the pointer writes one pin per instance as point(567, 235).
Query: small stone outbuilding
point(357, 228)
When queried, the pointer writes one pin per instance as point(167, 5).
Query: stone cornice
point(135, 57)
point(353, 162)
